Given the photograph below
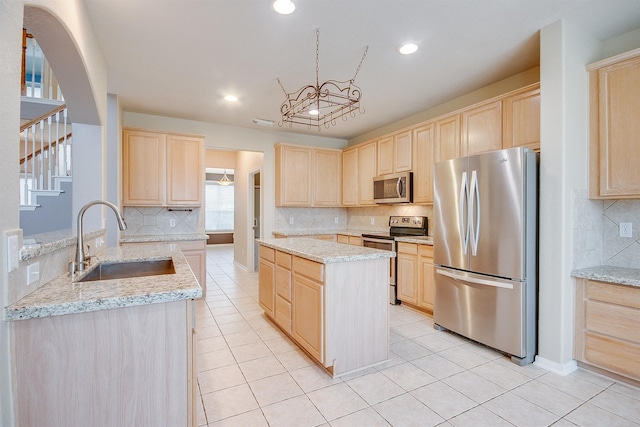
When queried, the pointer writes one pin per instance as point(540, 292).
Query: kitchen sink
point(129, 269)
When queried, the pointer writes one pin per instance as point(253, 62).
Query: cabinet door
point(407, 273)
point(185, 170)
point(307, 325)
point(482, 129)
point(327, 188)
point(619, 127)
point(293, 176)
point(385, 156)
point(426, 281)
point(402, 148)
point(423, 162)
point(266, 286)
point(143, 168)
point(350, 177)
point(447, 143)
point(521, 120)
point(342, 238)
point(366, 173)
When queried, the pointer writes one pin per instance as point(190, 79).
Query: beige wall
point(223, 159)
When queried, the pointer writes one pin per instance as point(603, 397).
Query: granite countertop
point(315, 232)
point(421, 240)
point(65, 295)
point(610, 274)
point(323, 251)
point(164, 238)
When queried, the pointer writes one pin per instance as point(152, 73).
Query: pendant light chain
point(317, 57)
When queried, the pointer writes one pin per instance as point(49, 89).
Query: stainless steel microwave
point(395, 188)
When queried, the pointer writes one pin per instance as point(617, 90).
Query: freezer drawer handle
point(474, 280)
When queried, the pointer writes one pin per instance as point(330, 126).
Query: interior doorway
point(255, 208)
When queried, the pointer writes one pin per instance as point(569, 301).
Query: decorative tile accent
point(145, 221)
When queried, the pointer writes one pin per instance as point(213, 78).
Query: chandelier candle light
point(322, 104)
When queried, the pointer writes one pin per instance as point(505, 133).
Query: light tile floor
point(250, 374)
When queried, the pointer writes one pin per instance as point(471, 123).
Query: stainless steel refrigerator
point(485, 249)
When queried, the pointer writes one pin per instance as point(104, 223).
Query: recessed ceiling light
point(408, 48)
point(314, 112)
point(231, 98)
point(284, 7)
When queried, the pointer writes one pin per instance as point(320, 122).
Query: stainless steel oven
point(399, 226)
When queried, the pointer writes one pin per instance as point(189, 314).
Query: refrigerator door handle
point(478, 281)
point(463, 202)
point(474, 213)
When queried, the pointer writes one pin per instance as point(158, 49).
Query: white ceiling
point(178, 58)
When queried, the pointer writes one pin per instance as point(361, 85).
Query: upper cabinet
point(447, 142)
point(367, 161)
point(614, 100)
point(394, 154)
point(481, 129)
point(423, 159)
point(307, 176)
point(350, 177)
point(161, 169)
point(521, 119)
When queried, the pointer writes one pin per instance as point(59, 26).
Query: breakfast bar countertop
point(325, 252)
point(66, 295)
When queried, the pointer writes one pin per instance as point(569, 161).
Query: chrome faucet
point(81, 257)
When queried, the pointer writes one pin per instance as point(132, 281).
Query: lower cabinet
point(336, 312)
point(349, 240)
point(415, 275)
point(124, 366)
point(607, 327)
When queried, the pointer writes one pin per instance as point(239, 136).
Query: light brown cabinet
point(394, 154)
point(407, 273)
point(521, 119)
point(423, 154)
point(282, 312)
point(614, 100)
point(607, 327)
point(307, 313)
point(160, 169)
point(307, 176)
point(367, 160)
point(415, 277)
point(349, 240)
point(447, 142)
point(350, 177)
point(481, 128)
point(267, 278)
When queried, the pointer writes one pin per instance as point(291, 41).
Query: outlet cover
point(172, 222)
point(291, 220)
point(33, 273)
point(626, 229)
point(335, 220)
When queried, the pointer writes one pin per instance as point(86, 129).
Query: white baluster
point(25, 165)
point(33, 69)
point(33, 156)
point(64, 144)
point(41, 158)
point(49, 150)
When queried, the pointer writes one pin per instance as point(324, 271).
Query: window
point(218, 214)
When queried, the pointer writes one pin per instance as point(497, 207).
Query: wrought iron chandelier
point(322, 104)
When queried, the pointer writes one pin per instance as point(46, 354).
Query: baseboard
point(557, 368)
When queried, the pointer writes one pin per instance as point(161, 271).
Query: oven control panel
point(407, 221)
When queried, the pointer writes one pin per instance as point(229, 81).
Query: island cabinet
point(124, 366)
point(308, 177)
point(336, 312)
point(415, 275)
point(607, 327)
point(614, 104)
point(160, 169)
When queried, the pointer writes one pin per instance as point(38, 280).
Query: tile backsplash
point(596, 232)
point(142, 221)
point(353, 218)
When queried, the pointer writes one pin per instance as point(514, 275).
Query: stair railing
point(37, 80)
point(46, 152)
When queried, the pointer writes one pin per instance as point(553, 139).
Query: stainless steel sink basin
point(128, 269)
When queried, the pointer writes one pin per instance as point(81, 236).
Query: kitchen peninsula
point(332, 299)
point(108, 352)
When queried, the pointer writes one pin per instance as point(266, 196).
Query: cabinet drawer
point(355, 240)
point(616, 321)
point(408, 248)
point(615, 294)
point(283, 313)
point(342, 238)
point(267, 254)
point(425, 251)
point(283, 260)
point(609, 353)
point(311, 269)
point(283, 283)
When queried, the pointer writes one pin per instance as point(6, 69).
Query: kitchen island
point(107, 352)
point(332, 299)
